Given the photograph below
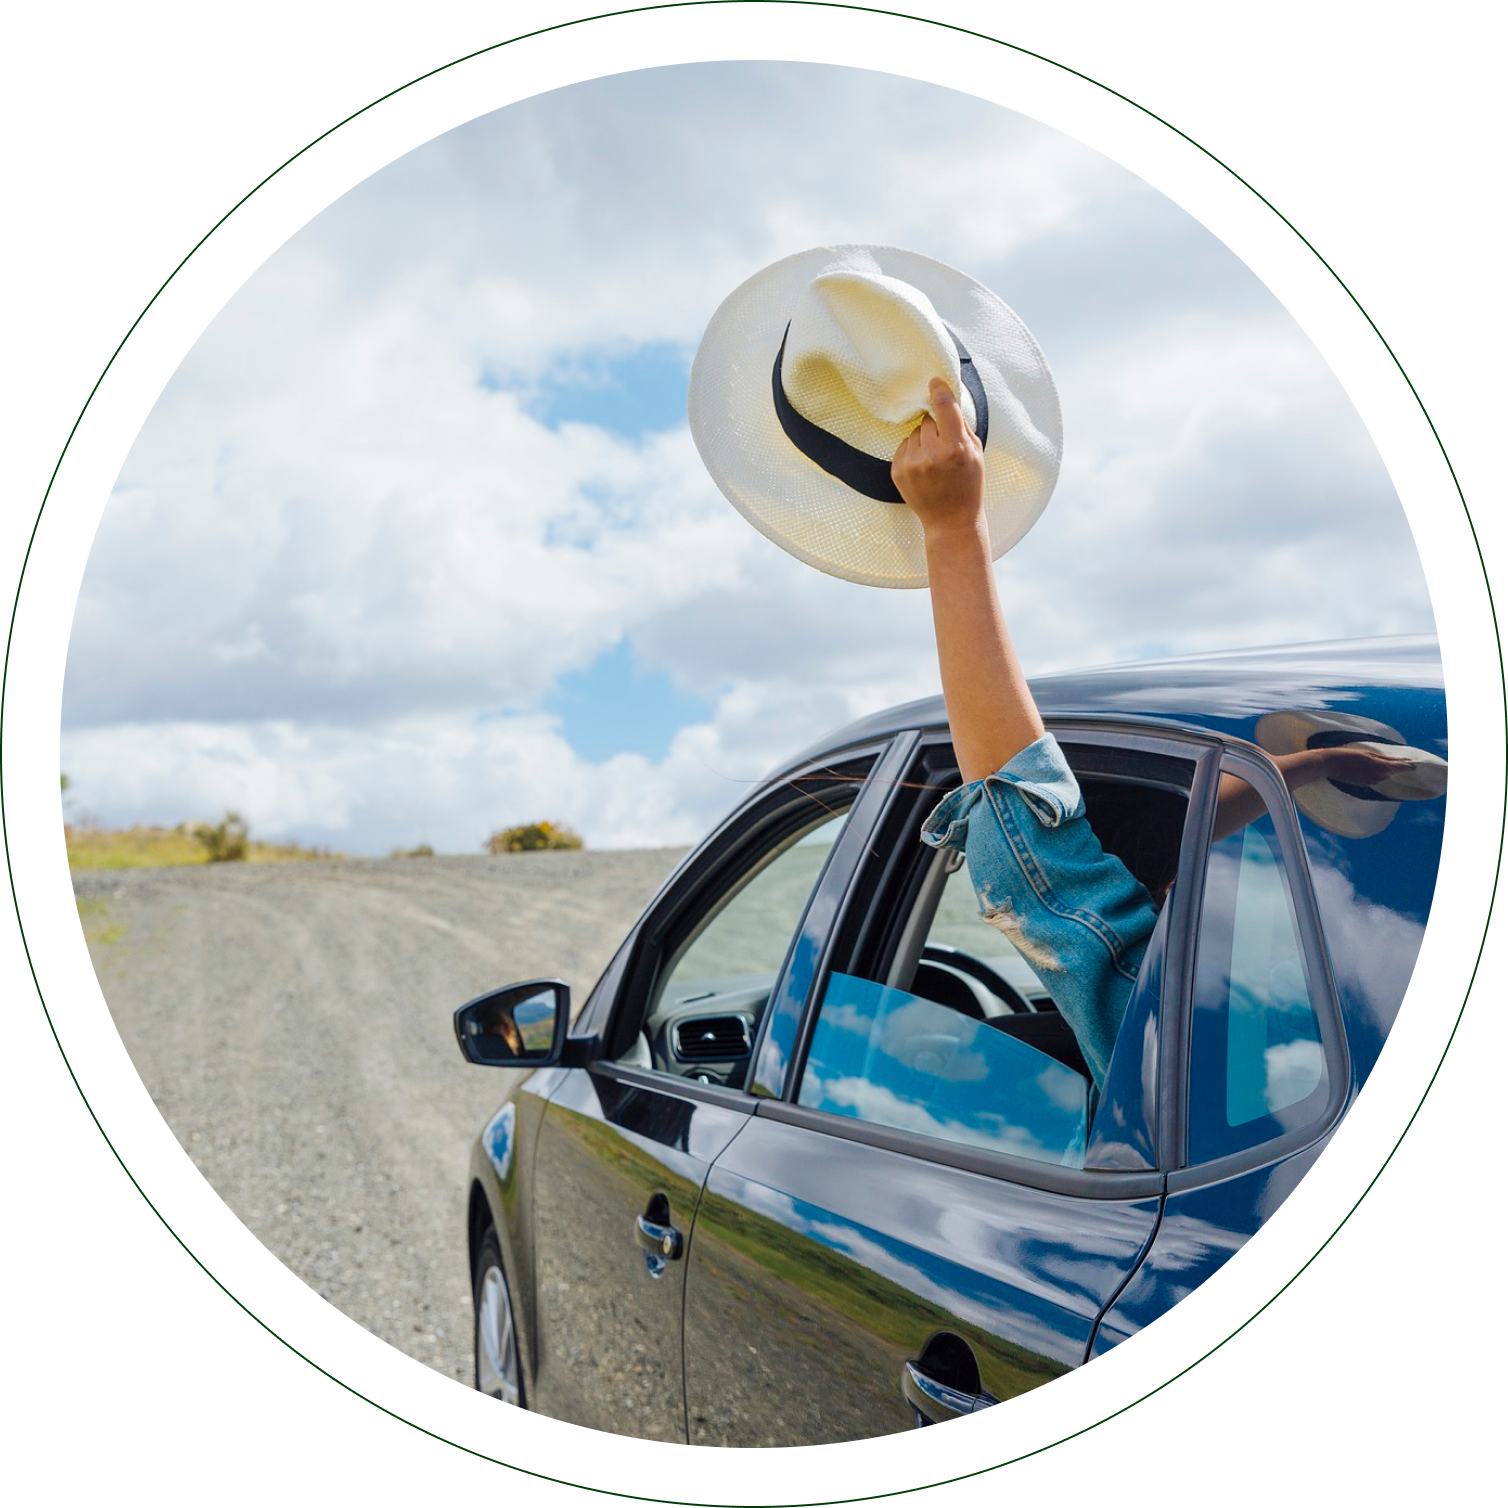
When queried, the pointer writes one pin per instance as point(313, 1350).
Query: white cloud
point(440, 779)
point(1292, 1072)
point(1063, 1091)
point(882, 1106)
point(332, 542)
point(1374, 947)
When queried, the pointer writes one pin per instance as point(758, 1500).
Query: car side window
point(714, 981)
point(943, 1046)
point(1256, 1059)
point(937, 1024)
point(895, 1059)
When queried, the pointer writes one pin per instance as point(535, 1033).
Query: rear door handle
point(935, 1401)
point(663, 1240)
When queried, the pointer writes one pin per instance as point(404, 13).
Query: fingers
point(1360, 766)
point(948, 425)
point(951, 425)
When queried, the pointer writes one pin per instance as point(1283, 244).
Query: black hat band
point(855, 468)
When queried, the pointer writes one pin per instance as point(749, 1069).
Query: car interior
point(949, 955)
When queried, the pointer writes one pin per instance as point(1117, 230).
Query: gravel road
point(292, 1023)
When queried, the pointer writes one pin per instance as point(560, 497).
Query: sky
point(416, 545)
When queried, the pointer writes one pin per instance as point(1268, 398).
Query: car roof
point(1394, 681)
point(1397, 681)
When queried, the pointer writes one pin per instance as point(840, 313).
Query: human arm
point(939, 471)
point(1238, 803)
point(1075, 913)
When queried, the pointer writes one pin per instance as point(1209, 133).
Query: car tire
point(495, 1340)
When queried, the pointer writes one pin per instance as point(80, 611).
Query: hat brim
point(793, 501)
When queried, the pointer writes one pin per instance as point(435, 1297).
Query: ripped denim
point(1075, 913)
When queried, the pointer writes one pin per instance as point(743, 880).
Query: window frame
point(1249, 763)
point(884, 890)
point(743, 840)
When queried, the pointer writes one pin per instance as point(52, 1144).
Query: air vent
point(709, 1038)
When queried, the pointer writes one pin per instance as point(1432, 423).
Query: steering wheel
point(977, 969)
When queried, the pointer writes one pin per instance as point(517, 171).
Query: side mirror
point(519, 1026)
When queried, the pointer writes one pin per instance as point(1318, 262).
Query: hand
point(1353, 765)
point(1348, 763)
point(939, 468)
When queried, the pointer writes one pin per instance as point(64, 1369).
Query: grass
point(157, 847)
point(94, 916)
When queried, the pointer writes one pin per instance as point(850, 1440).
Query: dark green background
point(1371, 133)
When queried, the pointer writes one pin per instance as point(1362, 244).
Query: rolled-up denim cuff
point(1039, 774)
point(948, 826)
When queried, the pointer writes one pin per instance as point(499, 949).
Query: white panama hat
point(1353, 811)
point(811, 374)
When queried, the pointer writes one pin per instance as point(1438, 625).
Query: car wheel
point(496, 1345)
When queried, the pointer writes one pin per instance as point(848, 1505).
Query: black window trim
point(908, 756)
point(1089, 1183)
point(769, 1075)
point(1176, 1004)
point(1253, 766)
point(674, 1084)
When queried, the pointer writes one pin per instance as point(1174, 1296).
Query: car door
point(1260, 1073)
point(928, 1213)
point(626, 1142)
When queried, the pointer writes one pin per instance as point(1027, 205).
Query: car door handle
point(935, 1401)
point(663, 1241)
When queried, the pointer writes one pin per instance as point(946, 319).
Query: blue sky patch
point(616, 706)
point(633, 393)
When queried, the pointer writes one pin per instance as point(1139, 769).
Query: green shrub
point(423, 851)
point(226, 841)
point(532, 837)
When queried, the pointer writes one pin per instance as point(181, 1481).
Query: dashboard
point(704, 1029)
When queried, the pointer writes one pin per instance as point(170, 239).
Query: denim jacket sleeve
point(1074, 913)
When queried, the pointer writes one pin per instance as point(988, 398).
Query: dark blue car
point(818, 1158)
